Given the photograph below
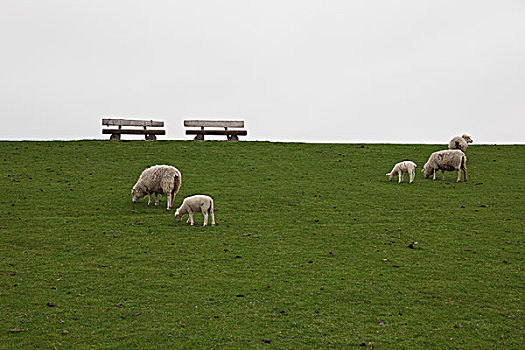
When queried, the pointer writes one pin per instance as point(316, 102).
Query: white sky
point(295, 70)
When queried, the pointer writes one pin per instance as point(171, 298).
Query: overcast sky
point(411, 71)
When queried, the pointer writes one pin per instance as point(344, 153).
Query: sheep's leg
point(412, 174)
point(459, 175)
point(149, 198)
point(157, 201)
point(465, 173)
point(168, 201)
point(205, 213)
point(190, 213)
point(189, 217)
point(212, 217)
point(204, 210)
point(443, 172)
point(172, 199)
point(434, 177)
point(400, 176)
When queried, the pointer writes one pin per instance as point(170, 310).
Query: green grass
point(310, 250)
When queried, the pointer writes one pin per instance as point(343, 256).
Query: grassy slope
point(312, 236)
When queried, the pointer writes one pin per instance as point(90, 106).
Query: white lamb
point(401, 168)
point(446, 160)
point(193, 204)
point(460, 142)
point(159, 179)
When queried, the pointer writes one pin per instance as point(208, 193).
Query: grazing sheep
point(159, 179)
point(193, 204)
point(401, 168)
point(460, 142)
point(446, 160)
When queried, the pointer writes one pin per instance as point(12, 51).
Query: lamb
point(446, 160)
point(158, 179)
point(401, 168)
point(460, 142)
point(193, 204)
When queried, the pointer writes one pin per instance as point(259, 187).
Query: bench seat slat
point(134, 131)
point(127, 122)
point(217, 132)
point(215, 123)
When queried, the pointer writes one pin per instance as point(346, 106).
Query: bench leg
point(150, 137)
point(233, 138)
point(115, 137)
point(199, 137)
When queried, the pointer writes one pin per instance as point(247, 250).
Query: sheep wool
point(194, 204)
point(446, 160)
point(401, 168)
point(460, 142)
point(158, 179)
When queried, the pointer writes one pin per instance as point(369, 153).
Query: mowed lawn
point(313, 248)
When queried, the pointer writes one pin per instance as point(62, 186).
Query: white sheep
point(193, 204)
point(401, 168)
point(460, 142)
point(446, 160)
point(159, 179)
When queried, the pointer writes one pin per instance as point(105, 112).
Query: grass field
point(312, 248)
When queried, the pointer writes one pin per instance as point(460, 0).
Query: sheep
point(193, 204)
point(446, 160)
point(158, 179)
point(401, 168)
point(460, 142)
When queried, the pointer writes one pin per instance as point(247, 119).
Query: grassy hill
point(313, 248)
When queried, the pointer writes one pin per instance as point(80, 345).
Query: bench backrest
point(215, 123)
point(128, 122)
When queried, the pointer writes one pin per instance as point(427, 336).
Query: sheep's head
point(178, 215)
point(391, 176)
point(467, 138)
point(137, 193)
point(427, 170)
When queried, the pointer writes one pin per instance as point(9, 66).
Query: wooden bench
point(150, 133)
point(231, 135)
